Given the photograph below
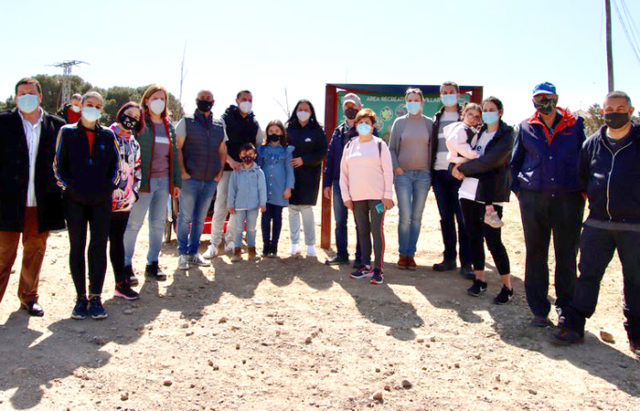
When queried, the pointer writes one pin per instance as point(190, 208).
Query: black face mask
point(351, 113)
point(616, 120)
point(128, 122)
point(545, 106)
point(204, 105)
point(247, 159)
point(273, 137)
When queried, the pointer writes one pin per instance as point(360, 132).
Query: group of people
point(83, 174)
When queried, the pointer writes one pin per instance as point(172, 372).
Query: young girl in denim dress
point(274, 157)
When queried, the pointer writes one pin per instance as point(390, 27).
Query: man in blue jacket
point(351, 104)
point(609, 170)
point(545, 179)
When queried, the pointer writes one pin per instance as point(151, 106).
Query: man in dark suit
point(30, 201)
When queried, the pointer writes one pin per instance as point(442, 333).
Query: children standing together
point(109, 178)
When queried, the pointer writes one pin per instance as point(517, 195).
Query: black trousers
point(99, 218)
point(478, 232)
point(543, 215)
point(116, 244)
point(596, 251)
point(446, 187)
point(370, 223)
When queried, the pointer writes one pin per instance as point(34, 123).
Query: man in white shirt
point(30, 201)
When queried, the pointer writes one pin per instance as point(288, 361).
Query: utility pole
point(607, 7)
point(65, 95)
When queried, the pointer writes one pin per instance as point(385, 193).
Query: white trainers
point(183, 262)
point(229, 247)
point(295, 249)
point(493, 220)
point(311, 251)
point(197, 261)
point(210, 253)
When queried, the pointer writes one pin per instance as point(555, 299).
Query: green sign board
point(388, 107)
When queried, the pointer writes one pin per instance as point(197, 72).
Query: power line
point(630, 23)
point(623, 23)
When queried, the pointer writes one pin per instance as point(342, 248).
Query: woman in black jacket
point(306, 135)
point(87, 167)
point(486, 180)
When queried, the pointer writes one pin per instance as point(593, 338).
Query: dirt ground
point(297, 334)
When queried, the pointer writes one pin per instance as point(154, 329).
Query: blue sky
point(505, 46)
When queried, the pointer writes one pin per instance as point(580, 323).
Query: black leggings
point(99, 219)
point(477, 231)
point(271, 226)
point(116, 244)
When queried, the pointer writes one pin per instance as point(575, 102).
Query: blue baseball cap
point(544, 88)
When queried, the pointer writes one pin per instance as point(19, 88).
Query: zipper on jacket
point(613, 162)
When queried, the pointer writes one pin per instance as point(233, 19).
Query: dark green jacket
point(146, 139)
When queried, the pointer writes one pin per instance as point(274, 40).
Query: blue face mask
point(414, 107)
point(364, 129)
point(490, 117)
point(91, 114)
point(449, 100)
point(28, 103)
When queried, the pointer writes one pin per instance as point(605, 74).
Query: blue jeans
point(195, 199)
point(446, 187)
point(341, 214)
point(239, 218)
point(155, 201)
point(295, 211)
point(412, 188)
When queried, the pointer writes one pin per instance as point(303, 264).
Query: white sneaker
point(197, 261)
point(210, 253)
point(183, 262)
point(311, 251)
point(493, 220)
point(295, 249)
point(229, 247)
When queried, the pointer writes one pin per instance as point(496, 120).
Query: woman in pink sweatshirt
point(366, 183)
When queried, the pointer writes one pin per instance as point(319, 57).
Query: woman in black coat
point(486, 180)
point(306, 135)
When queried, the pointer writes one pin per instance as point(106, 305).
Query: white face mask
point(303, 116)
point(75, 109)
point(245, 107)
point(91, 114)
point(157, 106)
point(28, 103)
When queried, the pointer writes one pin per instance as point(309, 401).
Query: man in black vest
point(201, 155)
point(242, 128)
point(30, 201)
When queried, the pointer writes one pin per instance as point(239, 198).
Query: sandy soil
point(296, 334)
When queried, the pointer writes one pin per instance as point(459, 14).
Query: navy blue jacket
point(612, 181)
point(87, 176)
point(547, 162)
point(311, 145)
point(341, 136)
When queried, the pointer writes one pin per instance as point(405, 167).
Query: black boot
point(153, 271)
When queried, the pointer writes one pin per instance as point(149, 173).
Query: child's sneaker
point(295, 250)
point(183, 262)
point(124, 291)
point(80, 309)
point(237, 255)
point(96, 309)
point(493, 220)
point(128, 273)
point(311, 251)
point(378, 277)
point(364, 272)
point(478, 287)
point(198, 261)
point(504, 296)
